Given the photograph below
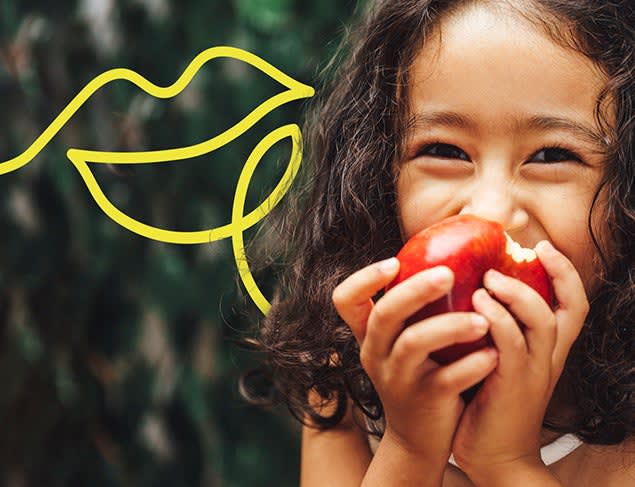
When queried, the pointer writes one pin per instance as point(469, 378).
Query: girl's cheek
point(421, 204)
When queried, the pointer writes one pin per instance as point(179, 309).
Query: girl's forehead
point(494, 66)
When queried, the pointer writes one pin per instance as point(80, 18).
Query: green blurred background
point(117, 364)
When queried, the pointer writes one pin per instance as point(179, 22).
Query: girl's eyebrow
point(538, 122)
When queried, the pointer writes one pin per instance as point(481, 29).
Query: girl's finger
point(573, 305)
point(504, 330)
point(528, 307)
point(410, 352)
point(386, 320)
point(452, 379)
point(352, 298)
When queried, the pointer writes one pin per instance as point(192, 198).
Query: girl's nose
point(496, 202)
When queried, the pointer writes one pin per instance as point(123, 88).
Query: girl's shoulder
point(605, 465)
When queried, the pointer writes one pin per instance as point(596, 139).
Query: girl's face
point(491, 101)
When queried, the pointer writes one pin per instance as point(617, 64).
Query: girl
point(519, 112)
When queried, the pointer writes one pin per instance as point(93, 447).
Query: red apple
point(470, 246)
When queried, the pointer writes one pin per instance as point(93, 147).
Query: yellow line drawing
point(239, 222)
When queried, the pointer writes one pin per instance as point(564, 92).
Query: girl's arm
point(339, 456)
point(394, 465)
point(342, 457)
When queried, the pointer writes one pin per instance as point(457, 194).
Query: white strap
point(559, 449)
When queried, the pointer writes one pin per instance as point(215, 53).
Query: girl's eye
point(546, 154)
point(556, 154)
point(445, 151)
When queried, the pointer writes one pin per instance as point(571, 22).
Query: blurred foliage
point(117, 366)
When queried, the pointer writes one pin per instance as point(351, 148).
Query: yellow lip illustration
point(239, 222)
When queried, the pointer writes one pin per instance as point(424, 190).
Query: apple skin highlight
point(470, 246)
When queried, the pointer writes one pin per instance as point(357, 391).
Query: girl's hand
point(421, 400)
point(501, 426)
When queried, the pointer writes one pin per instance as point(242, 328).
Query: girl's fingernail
point(481, 295)
point(546, 247)
point(494, 276)
point(440, 275)
point(389, 266)
point(480, 323)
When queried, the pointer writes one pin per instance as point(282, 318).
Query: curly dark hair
point(342, 216)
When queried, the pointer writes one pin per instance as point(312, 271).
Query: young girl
point(519, 112)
